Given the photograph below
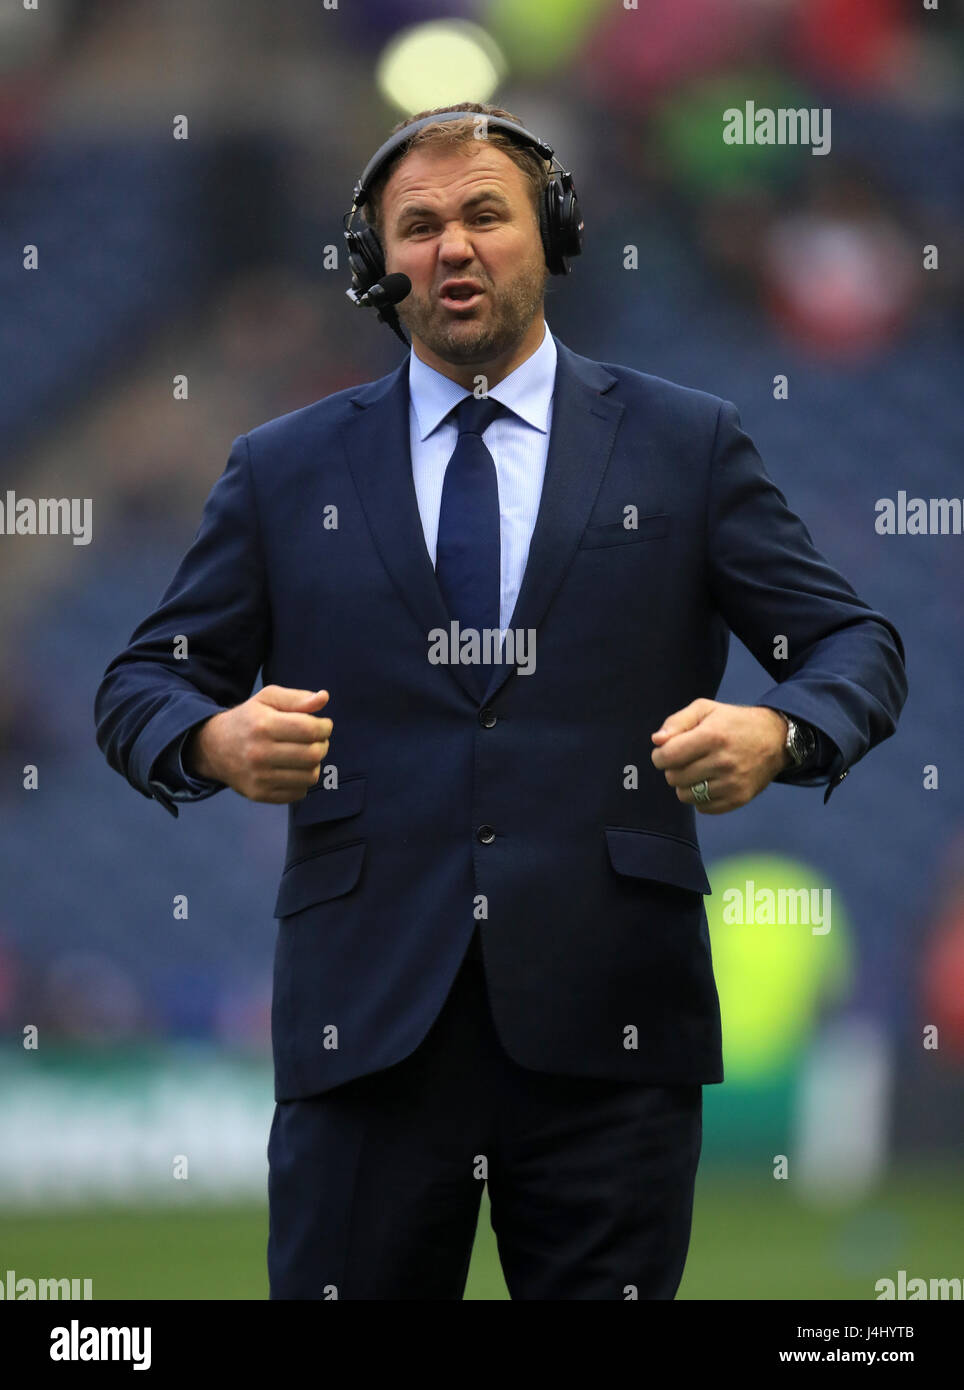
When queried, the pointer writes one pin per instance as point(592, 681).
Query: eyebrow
point(485, 196)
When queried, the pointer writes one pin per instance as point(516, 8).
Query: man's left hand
point(737, 749)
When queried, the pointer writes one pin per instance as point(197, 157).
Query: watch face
point(794, 741)
point(802, 742)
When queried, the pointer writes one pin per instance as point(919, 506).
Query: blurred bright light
point(442, 62)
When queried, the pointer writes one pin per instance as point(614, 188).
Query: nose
point(454, 243)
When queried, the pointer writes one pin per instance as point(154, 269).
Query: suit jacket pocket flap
point(323, 876)
point(647, 528)
point(648, 854)
point(322, 803)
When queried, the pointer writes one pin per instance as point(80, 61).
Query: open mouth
point(460, 297)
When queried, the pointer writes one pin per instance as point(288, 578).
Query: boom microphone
point(389, 290)
point(383, 296)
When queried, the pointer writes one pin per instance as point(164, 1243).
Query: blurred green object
point(689, 129)
point(773, 979)
point(751, 1240)
point(542, 34)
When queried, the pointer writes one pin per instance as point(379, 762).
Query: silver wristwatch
point(801, 742)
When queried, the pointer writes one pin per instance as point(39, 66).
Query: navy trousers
point(374, 1187)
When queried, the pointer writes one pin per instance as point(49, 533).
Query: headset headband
point(401, 137)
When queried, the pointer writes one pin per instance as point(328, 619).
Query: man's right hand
point(268, 749)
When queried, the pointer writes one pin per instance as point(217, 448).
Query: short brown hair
point(454, 135)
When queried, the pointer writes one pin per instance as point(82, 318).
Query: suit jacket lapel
point(584, 425)
point(377, 448)
point(378, 452)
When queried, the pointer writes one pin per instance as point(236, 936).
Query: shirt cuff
point(173, 778)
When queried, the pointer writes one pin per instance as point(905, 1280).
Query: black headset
point(560, 221)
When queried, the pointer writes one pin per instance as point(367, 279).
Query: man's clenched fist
point(268, 749)
point(736, 749)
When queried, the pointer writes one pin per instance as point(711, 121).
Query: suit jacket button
point(485, 834)
point(487, 717)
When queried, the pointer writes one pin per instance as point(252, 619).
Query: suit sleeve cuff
point(169, 779)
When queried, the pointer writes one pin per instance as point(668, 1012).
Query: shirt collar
point(526, 391)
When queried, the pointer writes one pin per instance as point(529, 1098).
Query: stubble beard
point(512, 307)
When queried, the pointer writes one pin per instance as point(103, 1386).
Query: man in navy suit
point(492, 960)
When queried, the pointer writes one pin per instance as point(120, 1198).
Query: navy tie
point(468, 550)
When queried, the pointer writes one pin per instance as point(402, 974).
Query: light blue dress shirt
point(519, 445)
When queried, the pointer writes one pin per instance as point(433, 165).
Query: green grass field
point(751, 1240)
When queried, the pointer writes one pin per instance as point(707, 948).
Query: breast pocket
point(647, 528)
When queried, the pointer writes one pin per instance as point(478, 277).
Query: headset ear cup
point(563, 221)
point(571, 222)
point(355, 263)
point(556, 238)
point(365, 258)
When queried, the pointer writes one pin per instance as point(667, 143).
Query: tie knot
point(474, 414)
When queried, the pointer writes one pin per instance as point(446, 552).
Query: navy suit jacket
point(514, 812)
